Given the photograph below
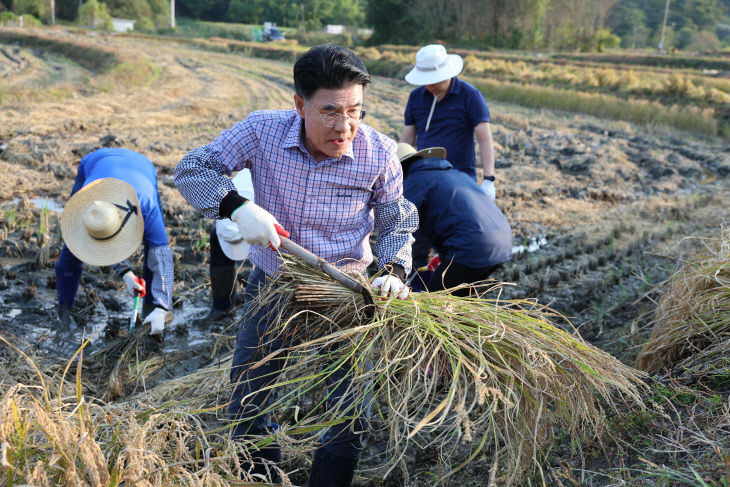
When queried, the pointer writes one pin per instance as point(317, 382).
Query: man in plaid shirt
point(324, 179)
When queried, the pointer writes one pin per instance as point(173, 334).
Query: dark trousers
point(249, 399)
point(68, 277)
point(451, 274)
point(222, 275)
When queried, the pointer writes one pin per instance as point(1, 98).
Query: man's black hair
point(330, 67)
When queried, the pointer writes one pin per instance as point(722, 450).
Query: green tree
point(703, 13)
point(313, 13)
point(95, 15)
point(214, 10)
point(160, 12)
point(144, 25)
point(36, 8)
point(395, 22)
point(699, 41)
point(67, 9)
point(130, 9)
point(245, 11)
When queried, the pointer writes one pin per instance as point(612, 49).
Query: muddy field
point(601, 211)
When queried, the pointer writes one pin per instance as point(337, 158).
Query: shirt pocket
point(334, 206)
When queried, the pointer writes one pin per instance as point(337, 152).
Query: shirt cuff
point(230, 203)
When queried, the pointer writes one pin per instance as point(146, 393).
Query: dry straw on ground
point(52, 435)
point(467, 375)
point(478, 379)
point(694, 312)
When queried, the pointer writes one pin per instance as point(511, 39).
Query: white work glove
point(156, 319)
point(133, 283)
point(488, 188)
point(391, 285)
point(258, 226)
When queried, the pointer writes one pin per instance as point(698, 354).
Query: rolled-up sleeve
point(160, 262)
point(396, 221)
point(395, 217)
point(201, 180)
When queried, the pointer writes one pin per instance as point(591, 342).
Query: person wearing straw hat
point(445, 111)
point(471, 235)
point(227, 247)
point(113, 209)
point(325, 180)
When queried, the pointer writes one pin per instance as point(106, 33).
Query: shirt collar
point(455, 86)
point(454, 89)
point(294, 139)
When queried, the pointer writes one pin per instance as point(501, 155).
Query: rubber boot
point(66, 317)
point(222, 285)
point(330, 470)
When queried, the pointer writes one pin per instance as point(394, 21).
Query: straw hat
point(407, 153)
point(229, 236)
point(433, 65)
point(102, 223)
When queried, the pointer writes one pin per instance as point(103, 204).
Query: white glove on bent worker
point(133, 283)
point(488, 188)
point(258, 226)
point(156, 319)
point(391, 285)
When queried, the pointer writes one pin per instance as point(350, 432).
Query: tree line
point(586, 25)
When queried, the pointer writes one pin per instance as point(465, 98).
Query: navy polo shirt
point(452, 122)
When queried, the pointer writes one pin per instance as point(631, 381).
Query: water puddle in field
point(13, 313)
point(533, 245)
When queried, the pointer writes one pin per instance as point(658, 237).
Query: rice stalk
point(459, 373)
point(694, 312)
point(205, 390)
point(48, 440)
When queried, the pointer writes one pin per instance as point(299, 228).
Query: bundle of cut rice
point(694, 312)
point(467, 375)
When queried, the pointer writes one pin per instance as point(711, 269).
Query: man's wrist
point(489, 178)
point(230, 203)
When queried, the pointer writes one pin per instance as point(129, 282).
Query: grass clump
point(641, 111)
point(52, 435)
point(465, 375)
point(694, 313)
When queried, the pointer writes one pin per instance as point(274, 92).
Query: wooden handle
point(333, 272)
point(321, 264)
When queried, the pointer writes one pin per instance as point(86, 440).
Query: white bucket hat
point(433, 65)
point(102, 223)
point(229, 236)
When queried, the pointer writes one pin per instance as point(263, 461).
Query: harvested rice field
point(605, 217)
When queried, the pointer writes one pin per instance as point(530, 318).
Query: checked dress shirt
point(329, 207)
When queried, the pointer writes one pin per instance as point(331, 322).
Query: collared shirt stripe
point(330, 207)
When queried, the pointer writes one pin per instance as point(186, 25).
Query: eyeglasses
point(332, 119)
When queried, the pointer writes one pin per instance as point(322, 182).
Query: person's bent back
point(470, 233)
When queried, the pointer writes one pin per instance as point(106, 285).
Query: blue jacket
point(462, 222)
point(140, 173)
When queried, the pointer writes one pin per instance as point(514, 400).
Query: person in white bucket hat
point(445, 111)
point(227, 248)
point(115, 207)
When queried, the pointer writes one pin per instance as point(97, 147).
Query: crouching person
point(326, 180)
point(469, 232)
point(115, 207)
